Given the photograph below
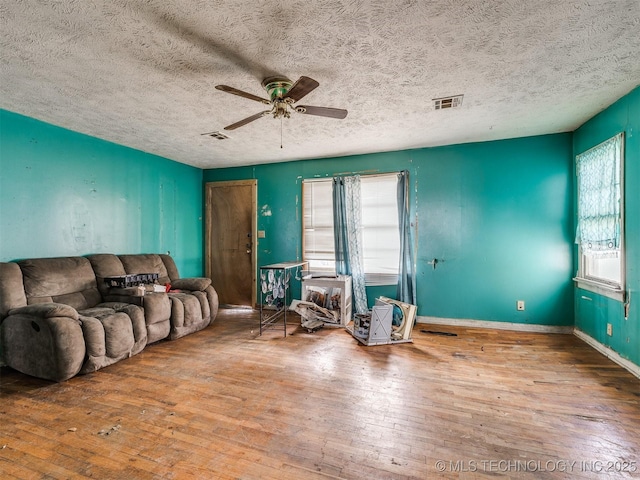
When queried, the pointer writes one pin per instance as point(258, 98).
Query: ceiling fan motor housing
point(277, 87)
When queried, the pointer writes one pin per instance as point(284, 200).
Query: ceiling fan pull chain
point(280, 132)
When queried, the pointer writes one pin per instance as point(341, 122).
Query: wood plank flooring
point(226, 403)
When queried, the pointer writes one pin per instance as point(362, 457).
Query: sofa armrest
point(195, 284)
point(52, 348)
point(214, 303)
point(46, 310)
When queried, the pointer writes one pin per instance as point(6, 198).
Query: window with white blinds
point(380, 231)
point(317, 225)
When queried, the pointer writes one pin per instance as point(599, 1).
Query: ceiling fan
point(283, 94)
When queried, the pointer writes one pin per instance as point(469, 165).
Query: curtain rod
point(362, 173)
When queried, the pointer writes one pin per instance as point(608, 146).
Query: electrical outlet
point(520, 305)
point(609, 329)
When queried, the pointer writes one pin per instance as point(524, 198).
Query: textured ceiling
point(142, 73)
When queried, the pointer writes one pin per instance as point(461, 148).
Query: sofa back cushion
point(170, 265)
point(145, 263)
point(11, 288)
point(106, 265)
point(68, 280)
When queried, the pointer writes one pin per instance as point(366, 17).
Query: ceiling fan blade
point(302, 87)
point(250, 119)
point(322, 111)
point(240, 93)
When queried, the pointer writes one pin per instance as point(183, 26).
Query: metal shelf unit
point(274, 292)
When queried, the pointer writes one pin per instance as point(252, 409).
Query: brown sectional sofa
point(58, 317)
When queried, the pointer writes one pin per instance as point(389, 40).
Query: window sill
point(370, 279)
point(600, 288)
point(380, 279)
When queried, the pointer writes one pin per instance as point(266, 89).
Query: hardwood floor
point(226, 403)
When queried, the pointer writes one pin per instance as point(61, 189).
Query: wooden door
point(230, 239)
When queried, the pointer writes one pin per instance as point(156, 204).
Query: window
point(600, 232)
point(317, 225)
point(380, 230)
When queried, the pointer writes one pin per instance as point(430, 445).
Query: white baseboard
point(607, 352)
point(518, 327)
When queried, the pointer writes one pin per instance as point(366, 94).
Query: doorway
point(230, 232)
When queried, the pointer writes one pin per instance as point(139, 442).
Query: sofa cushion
point(119, 339)
point(198, 284)
point(108, 340)
point(145, 263)
point(187, 315)
point(68, 280)
point(78, 300)
point(170, 265)
point(11, 288)
point(46, 310)
point(106, 265)
point(185, 309)
point(107, 312)
point(97, 312)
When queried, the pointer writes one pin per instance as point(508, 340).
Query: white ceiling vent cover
point(216, 135)
point(447, 102)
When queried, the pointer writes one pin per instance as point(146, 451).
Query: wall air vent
point(216, 135)
point(447, 102)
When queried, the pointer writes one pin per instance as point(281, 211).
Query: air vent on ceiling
point(447, 102)
point(216, 135)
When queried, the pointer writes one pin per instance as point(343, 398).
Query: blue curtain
point(347, 234)
point(340, 238)
point(406, 274)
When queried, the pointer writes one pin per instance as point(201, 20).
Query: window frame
point(598, 285)
point(371, 278)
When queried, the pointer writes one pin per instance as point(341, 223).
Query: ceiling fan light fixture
point(442, 103)
point(280, 110)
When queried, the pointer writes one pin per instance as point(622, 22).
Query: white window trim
point(600, 287)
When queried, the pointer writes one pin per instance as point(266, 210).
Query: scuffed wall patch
point(265, 211)
point(75, 215)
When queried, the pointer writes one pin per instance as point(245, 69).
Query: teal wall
point(63, 193)
point(497, 215)
point(593, 311)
